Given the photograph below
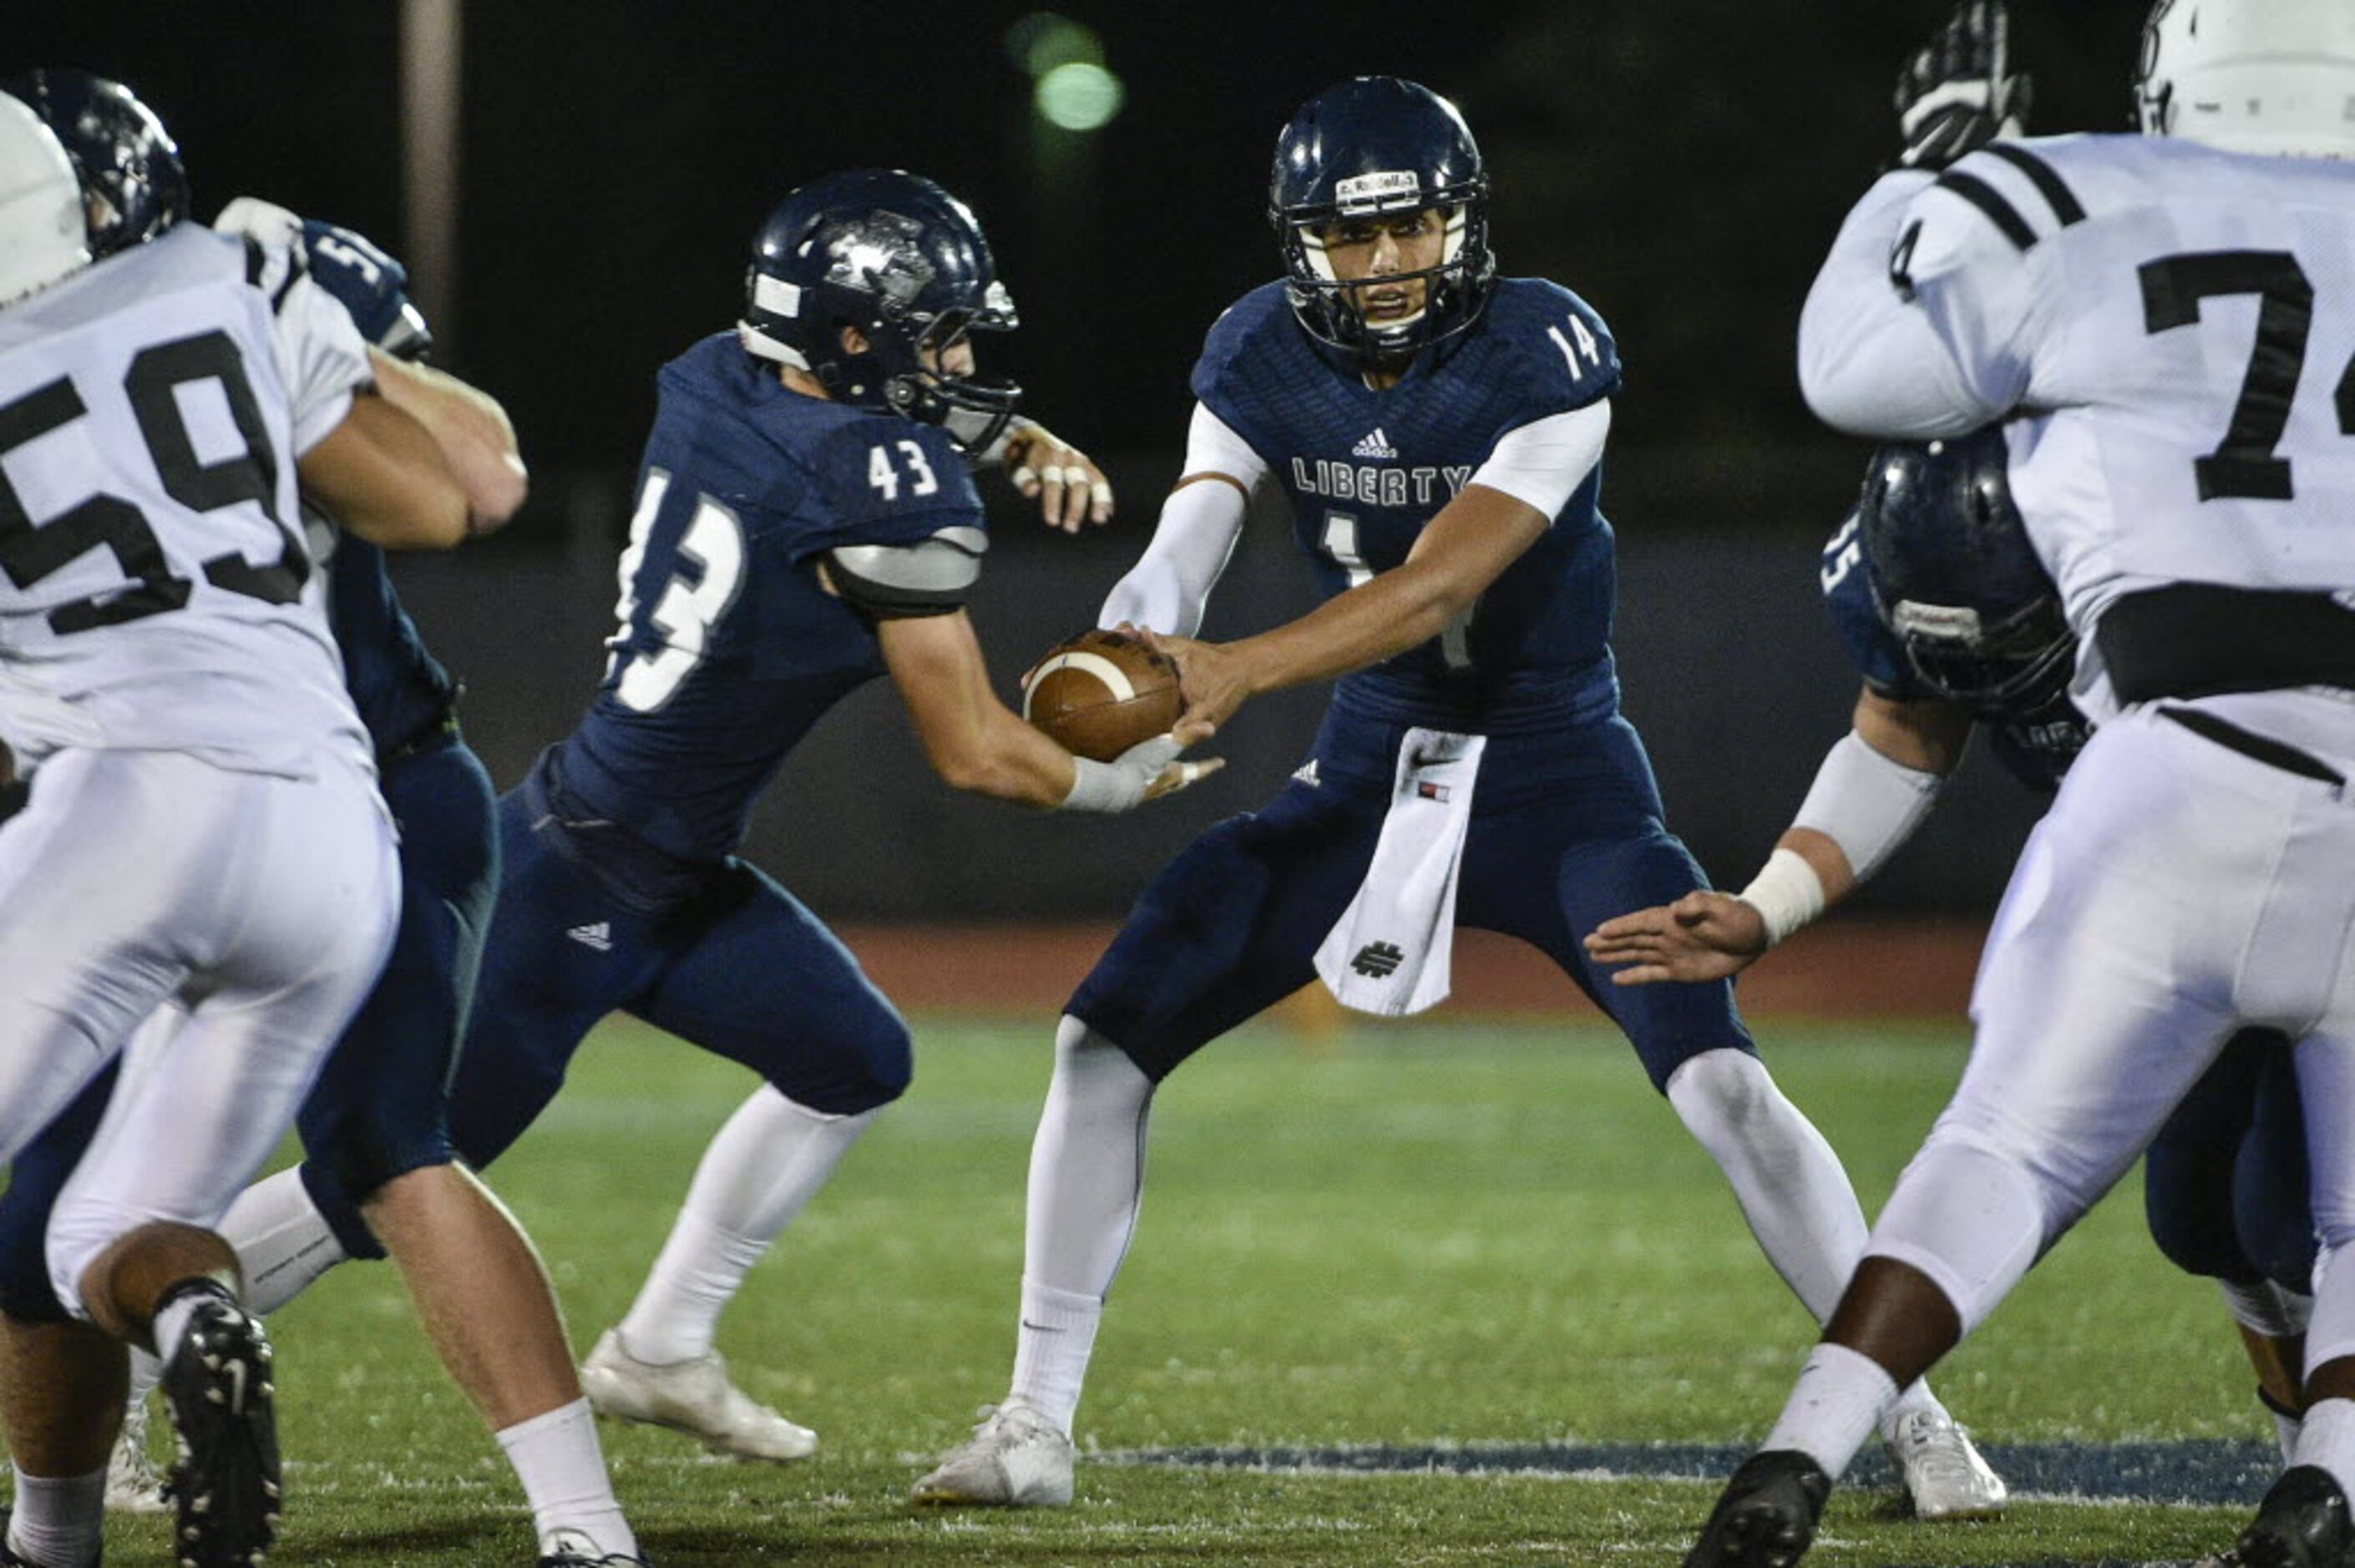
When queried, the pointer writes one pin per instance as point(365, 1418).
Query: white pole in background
point(430, 49)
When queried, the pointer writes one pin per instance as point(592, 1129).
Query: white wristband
point(1786, 893)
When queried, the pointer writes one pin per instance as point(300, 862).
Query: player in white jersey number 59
point(2166, 325)
point(205, 824)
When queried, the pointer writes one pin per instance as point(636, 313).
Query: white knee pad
point(77, 1233)
point(1972, 1221)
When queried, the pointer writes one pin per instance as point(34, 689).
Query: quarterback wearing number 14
point(1438, 433)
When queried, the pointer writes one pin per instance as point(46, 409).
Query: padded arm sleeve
point(1170, 585)
point(892, 582)
point(1866, 803)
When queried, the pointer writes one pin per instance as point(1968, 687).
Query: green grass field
point(1451, 1234)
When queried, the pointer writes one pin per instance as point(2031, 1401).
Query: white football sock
point(1792, 1188)
point(171, 1324)
point(59, 1522)
point(1050, 1355)
point(1087, 1182)
point(1790, 1184)
point(762, 1168)
point(146, 1371)
point(1838, 1402)
point(2327, 1438)
point(282, 1240)
point(563, 1473)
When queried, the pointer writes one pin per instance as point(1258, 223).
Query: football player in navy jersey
point(376, 1122)
point(807, 521)
point(1438, 433)
point(1940, 602)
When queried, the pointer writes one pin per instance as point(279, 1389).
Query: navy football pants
point(2224, 1184)
point(741, 970)
point(1565, 832)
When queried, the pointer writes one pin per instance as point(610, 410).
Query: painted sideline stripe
point(2203, 1471)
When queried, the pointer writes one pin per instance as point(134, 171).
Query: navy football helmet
point(899, 258)
point(1955, 578)
point(128, 166)
point(1372, 145)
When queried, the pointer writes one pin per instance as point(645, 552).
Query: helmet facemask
point(2004, 666)
point(911, 361)
point(1454, 287)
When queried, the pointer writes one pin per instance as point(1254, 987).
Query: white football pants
point(265, 904)
point(2176, 891)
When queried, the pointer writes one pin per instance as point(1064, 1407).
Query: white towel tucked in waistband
point(1388, 952)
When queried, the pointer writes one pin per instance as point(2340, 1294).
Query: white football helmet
point(41, 232)
point(2251, 75)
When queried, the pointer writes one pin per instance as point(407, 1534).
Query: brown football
point(1101, 693)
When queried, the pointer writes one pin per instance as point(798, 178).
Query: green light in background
point(1079, 95)
point(1042, 41)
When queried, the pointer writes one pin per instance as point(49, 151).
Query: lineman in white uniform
point(205, 824)
point(2168, 323)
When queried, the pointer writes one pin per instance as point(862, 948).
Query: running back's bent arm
point(975, 742)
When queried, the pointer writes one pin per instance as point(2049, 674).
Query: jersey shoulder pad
point(1849, 604)
point(1241, 331)
point(1565, 356)
point(1991, 208)
point(931, 575)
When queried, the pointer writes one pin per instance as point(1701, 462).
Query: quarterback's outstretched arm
point(1506, 508)
point(976, 743)
point(1873, 790)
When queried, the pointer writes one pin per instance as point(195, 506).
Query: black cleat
point(1767, 1516)
point(2302, 1523)
point(568, 1558)
point(224, 1484)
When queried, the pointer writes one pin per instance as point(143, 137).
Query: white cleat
point(1015, 1459)
point(694, 1397)
point(134, 1484)
point(1942, 1472)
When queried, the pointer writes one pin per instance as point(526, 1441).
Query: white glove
point(1128, 779)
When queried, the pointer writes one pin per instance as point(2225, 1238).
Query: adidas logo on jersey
point(1375, 445)
point(1307, 773)
point(597, 934)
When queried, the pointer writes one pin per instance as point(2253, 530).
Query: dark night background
point(1682, 163)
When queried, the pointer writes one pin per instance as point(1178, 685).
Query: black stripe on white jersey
point(1990, 201)
point(295, 273)
point(2047, 181)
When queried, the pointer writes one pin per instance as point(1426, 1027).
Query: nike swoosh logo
point(235, 1371)
point(1039, 1328)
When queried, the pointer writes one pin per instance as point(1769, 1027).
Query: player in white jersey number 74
point(2139, 309)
